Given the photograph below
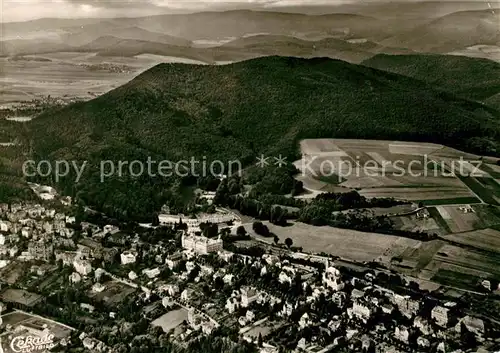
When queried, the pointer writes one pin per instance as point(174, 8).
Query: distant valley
point(91, 56)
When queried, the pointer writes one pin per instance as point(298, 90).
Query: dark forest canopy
point(242, 110)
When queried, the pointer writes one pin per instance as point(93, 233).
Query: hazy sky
point(21, 10)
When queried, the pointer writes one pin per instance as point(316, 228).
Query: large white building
point(127, 257)
point(200, 244)
point(332, 278)
point(441, 316)
point(359, 311)
point(83, 267)
point(194, 223)
point(248, 296)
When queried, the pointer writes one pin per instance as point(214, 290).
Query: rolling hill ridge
point(262, 105)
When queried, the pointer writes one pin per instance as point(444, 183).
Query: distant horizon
point(14, 11)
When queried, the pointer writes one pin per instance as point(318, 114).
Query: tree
point(288, 242)
point(210, 230)
point(260, 341)
point(218, 283)
point(261, 229)
point(155, 220)
point(241, 231)
point(467, 339)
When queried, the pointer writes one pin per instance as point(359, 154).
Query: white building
point(98, 288)
point(440, 315)
point(407, 306)
point(173, 260)
point(152, 273)
point(359, 311)
point(127, 257)
point(231, 305)
point(332, 278)
point(186, 294)
point(75, 277)
point(168, 302)
point(5, 226)
point(170, 289)
point(83, 267)
point(250, 316)
point(401, 333)
point(305, 321)
point(248, 296)
point(284, 277)
point(201, 245)
point(132, 275)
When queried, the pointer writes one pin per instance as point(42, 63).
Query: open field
point(67, 74)
point(19, 296)
point(171, 320)
point(460, 267)
point(264, 328)
point(465, 218)
point(402, 170)
point(349, 244)
point(455, 219)
point(452, 201)
point(486, 188)
point(394, 210)
point(456, 260)
point(414, 224)
point(23, 324)
point(486, 239)
point(12, 272)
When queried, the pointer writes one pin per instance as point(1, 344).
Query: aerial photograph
point(249, 176)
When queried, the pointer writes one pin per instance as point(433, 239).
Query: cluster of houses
point(397, 321)
point(33, 232)
point(360, 301)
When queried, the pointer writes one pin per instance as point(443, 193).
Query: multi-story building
point(332, 278)
point(127, 257)
point(173, 260)
point(360, 311)
point(407, 306)
point(41, 250)
point(440, 315)
point(200, 244)
point(83, 267)
point(248, 296)
point(402, 334)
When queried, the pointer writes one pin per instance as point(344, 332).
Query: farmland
point(486, 188)
point(402, 170)
point(465, 218)
point(349, 244)
point(485, 239)
point(414, 224)
point(62, 74)
point(458, 260)
point(461, 267)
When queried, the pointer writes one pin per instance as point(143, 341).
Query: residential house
point(128, 257)
point(83, 267)
point(248, 296)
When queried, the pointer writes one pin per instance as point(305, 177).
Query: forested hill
point(472, 78)
point(258, 106)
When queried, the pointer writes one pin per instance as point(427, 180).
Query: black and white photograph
point(249, 176)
